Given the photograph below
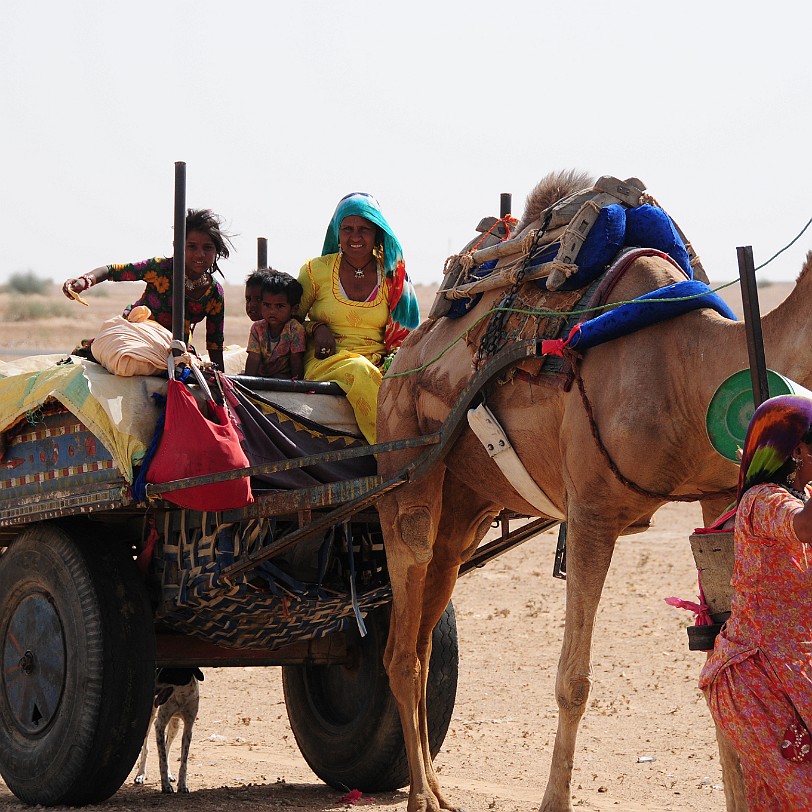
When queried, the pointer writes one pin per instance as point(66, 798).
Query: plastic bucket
point(732, 406)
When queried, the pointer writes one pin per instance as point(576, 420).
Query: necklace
point(359, 272)
point(796, 493)
point(192, 286)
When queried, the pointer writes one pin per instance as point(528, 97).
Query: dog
point(177, 697)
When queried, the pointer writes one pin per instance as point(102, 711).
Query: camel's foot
point(554, 802)
point(545, 807)
point(429, 802)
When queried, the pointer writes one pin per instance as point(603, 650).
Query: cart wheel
point(78, 667)
point(345, 719)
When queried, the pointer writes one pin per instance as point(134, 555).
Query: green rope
point(788, 245)
point(541, 313)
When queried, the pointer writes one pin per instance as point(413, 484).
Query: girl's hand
point(74, 286)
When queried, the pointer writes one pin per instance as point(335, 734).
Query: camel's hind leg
point(424, 551)
point(589, 553)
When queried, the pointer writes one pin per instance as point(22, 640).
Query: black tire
point(78, 670)
point(345, 719)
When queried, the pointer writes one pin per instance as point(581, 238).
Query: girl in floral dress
point(205, 244)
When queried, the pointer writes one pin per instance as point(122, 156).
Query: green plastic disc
point(732, 406)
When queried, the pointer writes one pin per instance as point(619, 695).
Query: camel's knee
point(572, 695)
point(404, 675)
point(416, 528)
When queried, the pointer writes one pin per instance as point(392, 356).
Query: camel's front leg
point(589, 553)
point(409, 533)
point(464, 523)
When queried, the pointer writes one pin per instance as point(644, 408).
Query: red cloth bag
point(193, 445)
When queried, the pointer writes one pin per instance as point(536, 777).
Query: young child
point(253, 292)
point(276, 346)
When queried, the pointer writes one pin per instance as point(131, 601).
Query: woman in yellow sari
point(359, 305)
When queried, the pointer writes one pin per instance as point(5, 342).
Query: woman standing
point(205, 244)
point(758, 680)
point(360, 305)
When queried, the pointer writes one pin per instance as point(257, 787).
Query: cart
point(296, 579)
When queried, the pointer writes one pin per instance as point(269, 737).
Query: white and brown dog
point(177, 697)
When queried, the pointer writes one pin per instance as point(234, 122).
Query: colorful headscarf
point(404, 313)
point(774, 432)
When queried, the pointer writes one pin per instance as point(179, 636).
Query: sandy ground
point(646, 741)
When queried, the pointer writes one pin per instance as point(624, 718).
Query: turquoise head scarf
point(404, 313)
point(364, 205)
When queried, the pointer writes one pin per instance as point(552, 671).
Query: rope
point(541, 313)
point(466, 260)
point(788, 245)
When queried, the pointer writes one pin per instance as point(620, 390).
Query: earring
point(791, 475)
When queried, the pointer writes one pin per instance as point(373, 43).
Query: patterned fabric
point(275, 354)
point(404, 313)
point(774, 432)
point(157, 296)
point(358, 328)
point(753, 712)
point(761, 664)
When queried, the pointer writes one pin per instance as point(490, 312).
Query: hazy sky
point(279, 109)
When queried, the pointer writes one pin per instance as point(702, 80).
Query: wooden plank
point(713, 553)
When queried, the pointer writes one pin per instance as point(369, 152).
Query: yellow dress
point(358, 328)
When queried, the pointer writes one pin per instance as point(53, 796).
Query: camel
point(648, 393)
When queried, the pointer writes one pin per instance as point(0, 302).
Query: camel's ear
point(808, 263)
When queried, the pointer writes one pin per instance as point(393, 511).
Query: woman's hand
point(324, 342)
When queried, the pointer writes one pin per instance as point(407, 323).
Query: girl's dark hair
point(284, 283)
point(208, 222)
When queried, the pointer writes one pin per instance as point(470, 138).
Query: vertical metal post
point(179, 256)
point(752, 325)
point(262, 253)
point(504, 204)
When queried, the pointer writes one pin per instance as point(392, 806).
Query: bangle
point(88, 280)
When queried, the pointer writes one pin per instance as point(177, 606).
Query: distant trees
point(27, 282)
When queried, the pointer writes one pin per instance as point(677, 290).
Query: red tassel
point(555, 346)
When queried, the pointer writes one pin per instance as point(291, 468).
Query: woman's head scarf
point(404, 314)
point(775, 430)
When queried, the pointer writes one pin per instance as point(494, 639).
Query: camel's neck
point(787, 331)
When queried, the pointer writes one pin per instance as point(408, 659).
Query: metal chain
point(495, 336)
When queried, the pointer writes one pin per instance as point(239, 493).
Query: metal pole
point(179, 256)
point(752, 325)
point(262, 253)
point(504, 204)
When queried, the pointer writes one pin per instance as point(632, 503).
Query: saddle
point(554, 272)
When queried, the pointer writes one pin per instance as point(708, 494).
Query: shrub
point(32, 308)
point(27, 282)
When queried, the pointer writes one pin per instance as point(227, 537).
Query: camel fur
point(649, 392)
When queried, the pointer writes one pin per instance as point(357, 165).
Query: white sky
point(279, 109)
